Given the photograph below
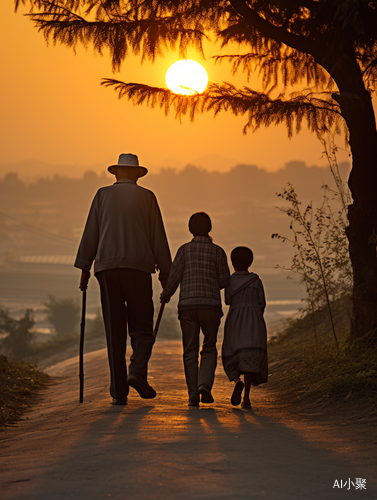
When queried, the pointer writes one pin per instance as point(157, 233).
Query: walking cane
point(81, 360)
point(158, 320)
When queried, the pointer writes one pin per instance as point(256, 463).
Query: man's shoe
point(121, 401)
point(140, 385)
point(127, 391)
point(205, 393)
point(237, 393)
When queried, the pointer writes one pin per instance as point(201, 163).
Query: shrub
point(63, 314)
point(20, 334)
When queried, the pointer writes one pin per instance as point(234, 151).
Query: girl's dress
point(244, 348)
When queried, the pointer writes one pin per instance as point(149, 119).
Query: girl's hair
point(200, 224)
point(241, 257)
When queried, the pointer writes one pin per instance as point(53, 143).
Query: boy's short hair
point(241, 257)
point(200, 224)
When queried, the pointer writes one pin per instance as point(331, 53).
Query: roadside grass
point(20, 380)
point(19, 383)
point(316, 373)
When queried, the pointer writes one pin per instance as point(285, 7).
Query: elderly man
point(125, 236)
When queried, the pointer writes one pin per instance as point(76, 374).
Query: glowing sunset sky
point(54, 110)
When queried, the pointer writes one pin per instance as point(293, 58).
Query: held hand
point(85, 275)
point(163, 278)
point(163, 300)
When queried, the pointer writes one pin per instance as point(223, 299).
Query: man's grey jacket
point(124, 230)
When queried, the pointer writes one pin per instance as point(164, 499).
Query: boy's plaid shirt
point(201, 268)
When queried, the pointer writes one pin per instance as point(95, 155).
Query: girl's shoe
point(237, 392)
point(246, 406)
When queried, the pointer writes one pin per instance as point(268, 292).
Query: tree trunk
point(357, 109)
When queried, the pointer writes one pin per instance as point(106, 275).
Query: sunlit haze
point(55, 111)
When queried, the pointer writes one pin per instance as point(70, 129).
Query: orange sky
point(54, 110)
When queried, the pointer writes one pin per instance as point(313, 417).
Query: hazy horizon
point(41, 223)
point(32, 170)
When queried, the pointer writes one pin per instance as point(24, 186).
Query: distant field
point(20, 290)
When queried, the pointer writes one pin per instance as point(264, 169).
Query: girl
point(244, 349)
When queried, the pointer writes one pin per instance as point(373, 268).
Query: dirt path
point(161, 449)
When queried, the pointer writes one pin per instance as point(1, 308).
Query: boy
point(200, 268)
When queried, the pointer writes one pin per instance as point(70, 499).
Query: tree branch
point(278, 34)
point(320, 114)
point(370, 66)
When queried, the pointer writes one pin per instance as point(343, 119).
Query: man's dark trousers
point(126, 297)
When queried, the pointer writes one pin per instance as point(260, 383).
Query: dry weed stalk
point(321, 258)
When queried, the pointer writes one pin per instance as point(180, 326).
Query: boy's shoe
point(193, 402)
point(140, 385)
point(237, 393)
point(205, 392)
point(246, 406)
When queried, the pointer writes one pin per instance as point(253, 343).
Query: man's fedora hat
point(128, 160)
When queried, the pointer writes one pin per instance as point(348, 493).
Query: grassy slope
point(19, 382)
point(316, 374)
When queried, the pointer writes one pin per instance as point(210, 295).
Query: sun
point(186, 77)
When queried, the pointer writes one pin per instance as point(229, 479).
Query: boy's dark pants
point(192, 321)
point(126, 297)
